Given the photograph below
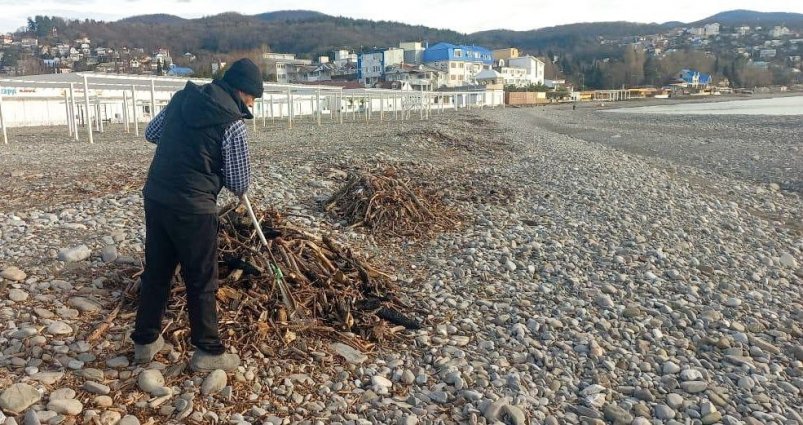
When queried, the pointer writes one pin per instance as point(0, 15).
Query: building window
point(453, 77)
point(453, 65)
point(461, 65)
point(458, 53)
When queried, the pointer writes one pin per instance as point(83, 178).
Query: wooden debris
point(337, 295)
point(388, 205)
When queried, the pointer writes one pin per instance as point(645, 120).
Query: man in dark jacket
point(201, 147)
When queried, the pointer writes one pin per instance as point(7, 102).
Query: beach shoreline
point(609, 267)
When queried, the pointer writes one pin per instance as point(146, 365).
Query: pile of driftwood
point(388, 205)
point(300, 285)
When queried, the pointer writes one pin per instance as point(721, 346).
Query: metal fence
point(85, 102)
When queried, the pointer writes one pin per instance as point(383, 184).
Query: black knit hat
point(244, 75)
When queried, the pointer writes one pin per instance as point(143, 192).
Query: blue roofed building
point(694, 78)
point(179, 71)
point(459, 63)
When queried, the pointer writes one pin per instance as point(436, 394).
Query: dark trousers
point(190, 240)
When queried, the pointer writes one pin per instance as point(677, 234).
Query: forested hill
point(304, 33)
point(309, 33)
point(564, 36)
point(749, 17)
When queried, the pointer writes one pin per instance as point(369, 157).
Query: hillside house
point(459, 63)
point(29, 42)
point(711, 30)
point(779, 31)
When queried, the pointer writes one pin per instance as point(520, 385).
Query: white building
point(513, 76)
point(344, 57)
point(534, 68)
point(711, 30)
point(767, 53)
point(779, 31)
point(742, 30)
point(284, 67)
point(697, 31)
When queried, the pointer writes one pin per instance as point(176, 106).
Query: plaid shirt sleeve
point(154, 130)
point(236, 165)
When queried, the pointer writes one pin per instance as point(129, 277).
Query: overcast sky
point(459, 15)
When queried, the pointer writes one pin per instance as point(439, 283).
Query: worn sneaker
point(146, 353)
point(204, 362)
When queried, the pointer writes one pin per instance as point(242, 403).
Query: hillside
point(749, 17)
point(588, 54)
point(309, 33)
point(562, 36)
point(305, 33)
point(290, 15)
point(155, 19)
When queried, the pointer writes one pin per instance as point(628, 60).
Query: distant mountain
point(291, 15)
point(155, 19)
point(750, 17)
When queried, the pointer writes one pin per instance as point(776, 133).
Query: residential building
point(371, 65)
point(697, 31)
point(460, 63)
point(284, 67)
point(419, 77)
point(767, 53)
point(779, 31)
point(6, 39)
point(711, 30)
point(514, 76)
point(316, 72)
point(534, 68)
point(29, 42)
point(413, 52)
point(742, 30)
point(344, 57)
point(63, 49)
point(505, 54)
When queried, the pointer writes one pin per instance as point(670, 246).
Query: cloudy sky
point(460, 15)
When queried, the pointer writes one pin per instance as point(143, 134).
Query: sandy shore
point(610, 269)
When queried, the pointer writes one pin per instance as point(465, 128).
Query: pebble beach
point(607, 269)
